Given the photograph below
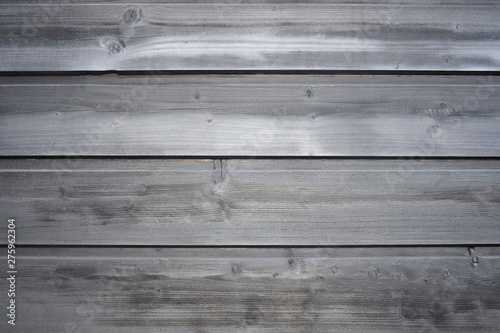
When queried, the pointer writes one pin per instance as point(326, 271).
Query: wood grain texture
point(256, 290)
point(262, 115)
point(252, 202)
point(391, 237)
point(265, 35)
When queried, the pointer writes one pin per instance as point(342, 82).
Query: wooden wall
point(264, 166)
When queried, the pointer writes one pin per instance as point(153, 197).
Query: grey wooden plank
point(80, 35)
point(255, 290)
point(262, 115)
point(252, 202)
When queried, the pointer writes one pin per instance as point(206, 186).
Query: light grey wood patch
point(265, 35)
point(256, 290)
point(252, 202)
point(262, 115)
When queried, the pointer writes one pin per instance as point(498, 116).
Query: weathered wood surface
point(266, 115)
point(85, 35)
point(200, 214)
point(252, 202)
point(256, 290)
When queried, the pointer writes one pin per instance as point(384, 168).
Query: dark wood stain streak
point(271, 115)
point(383, 290)
point(255, 202)
point(264, 35)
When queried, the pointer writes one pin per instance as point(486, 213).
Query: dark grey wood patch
point(257, 290)
point(261, 115)
point(264, 35)
point(252, 202)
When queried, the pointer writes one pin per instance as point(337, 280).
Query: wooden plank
point(255, 290)
point(262, 115)
point(80, 35)
point(252, 202)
